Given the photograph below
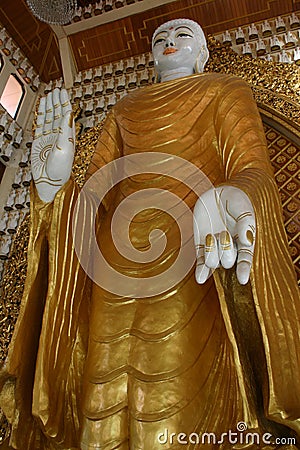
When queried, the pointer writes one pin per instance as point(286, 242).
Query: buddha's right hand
point(53, 146)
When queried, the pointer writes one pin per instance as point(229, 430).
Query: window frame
point(21, 97)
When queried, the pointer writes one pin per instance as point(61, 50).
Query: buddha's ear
point(157, 77)
point(201, 59)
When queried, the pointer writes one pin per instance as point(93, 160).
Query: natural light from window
point(12, 95)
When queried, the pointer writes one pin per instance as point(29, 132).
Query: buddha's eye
point(159, 41)
point(184, 35)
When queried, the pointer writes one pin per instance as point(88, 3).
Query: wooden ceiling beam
point(68, 63)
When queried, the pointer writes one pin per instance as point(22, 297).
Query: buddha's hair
point(177, 22)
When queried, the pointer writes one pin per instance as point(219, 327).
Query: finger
point(49, 115)
point(40, 118)
point(227, 250)
point(243, 272)
point(202, 273)
point(246, 228)
point(66, 136)
point(57, 110)
point(211, 252)
point(65, 102)
point(244, 262)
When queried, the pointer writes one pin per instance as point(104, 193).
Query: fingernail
point(209, 240)
point(225, 238)
point(249, 236)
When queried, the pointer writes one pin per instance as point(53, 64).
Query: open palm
point(53, 146)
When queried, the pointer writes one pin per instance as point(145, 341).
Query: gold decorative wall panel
point(285, 158)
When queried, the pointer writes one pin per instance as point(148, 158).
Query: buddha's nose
point(169, 42)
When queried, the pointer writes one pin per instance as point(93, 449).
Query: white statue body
point(18, 176)
point(10, 202)
point(89, 122)
point(20, 199)
point(78, 79)
point(99, 87)
point(284, 57)
point(279, 22)
point(110, 84)
point(144, 75)
point(129, 64)
point(252, 29)
point(19, 136)
point(13, 220)
point(266, 26)
point(36, 81)
point(222, 235)
point(239, 33)
point(119, 66)
point(24, 157)
point(226, 36)
point(246, 49)
point(260, 45)
point(8, 150)
point(4, 120)
point(26, 177)
point(121, 81)
point(88, 91)
point(290, 38)
point(3, 222)
point(100, 103)
point(12, 129)
point(132, 78)
point(89, 105)
point(108, 70)
point(98, 72)
point(5, 243)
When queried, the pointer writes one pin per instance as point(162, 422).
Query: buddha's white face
point(175, 47)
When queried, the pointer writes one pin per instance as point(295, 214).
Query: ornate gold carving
point(275, 86)
point(285, 159)
point(84, 151)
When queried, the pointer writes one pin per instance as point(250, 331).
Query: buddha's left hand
point(224, 232)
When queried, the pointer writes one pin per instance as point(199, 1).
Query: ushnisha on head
point(179, 49)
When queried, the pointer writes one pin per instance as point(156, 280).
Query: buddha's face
point(176, 45)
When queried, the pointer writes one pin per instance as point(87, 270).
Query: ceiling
point(124, 31)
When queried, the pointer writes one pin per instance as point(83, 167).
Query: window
point(12, 95)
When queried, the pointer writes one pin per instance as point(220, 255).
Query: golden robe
point(95, 370)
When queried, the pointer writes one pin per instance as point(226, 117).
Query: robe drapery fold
point(49, 341)
point(194, 359)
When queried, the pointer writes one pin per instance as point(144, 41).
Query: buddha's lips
point(170, 50)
